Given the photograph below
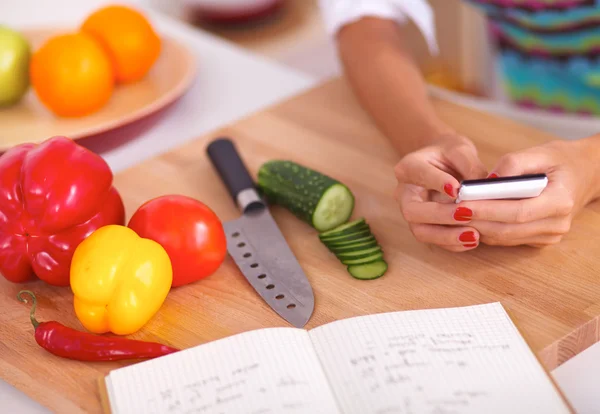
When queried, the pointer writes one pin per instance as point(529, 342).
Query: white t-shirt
point(338, 13)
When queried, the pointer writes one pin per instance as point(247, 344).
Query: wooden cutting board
point(553, 294)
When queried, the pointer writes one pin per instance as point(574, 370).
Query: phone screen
point(515, 187)
point(512, 179)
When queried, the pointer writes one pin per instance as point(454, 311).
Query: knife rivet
point(270, 286)
point(291, 306)
point(262, 276)
point(242, 244)
point(236, 234)
point(280, 296)
point(247, 255)
point(254, 265)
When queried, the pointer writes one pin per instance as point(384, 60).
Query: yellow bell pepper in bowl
point(119, 280)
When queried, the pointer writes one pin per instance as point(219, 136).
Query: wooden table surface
point(553, 293)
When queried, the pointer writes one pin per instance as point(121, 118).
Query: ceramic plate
point(169, 78)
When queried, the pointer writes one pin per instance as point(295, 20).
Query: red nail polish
point(449, 190)
point(493, 175)
point(470, 246)
point(467, 236)
point(463, 214)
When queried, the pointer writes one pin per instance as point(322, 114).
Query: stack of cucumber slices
point(356, 247)
point(326, 204)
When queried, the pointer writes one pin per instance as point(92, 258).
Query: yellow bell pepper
point(119, 280)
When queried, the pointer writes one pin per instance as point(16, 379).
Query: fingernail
point(463, 214)
point(467, 236)
point(493, 175)
point(449, 190)
point(470, 246)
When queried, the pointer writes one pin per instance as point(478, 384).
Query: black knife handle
point(226, 160)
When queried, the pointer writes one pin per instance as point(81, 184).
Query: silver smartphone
point(500, 188)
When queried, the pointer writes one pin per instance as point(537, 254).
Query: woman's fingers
point(543, 241)
point(530, 161)
point(416, 169)
point(412, 200)
point(553, 202)
point(450, 238)
point(438, 197)
point(435, 213)
point(506, 234)
point(416, 210)
point(539, 241)
point(439, 167)
point(464, 159)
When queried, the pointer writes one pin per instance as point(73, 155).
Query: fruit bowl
point(169, 79)
point(231, 11)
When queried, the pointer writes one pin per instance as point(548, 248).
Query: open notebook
point(439, 361)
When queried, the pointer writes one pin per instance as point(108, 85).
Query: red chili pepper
point(65, 342)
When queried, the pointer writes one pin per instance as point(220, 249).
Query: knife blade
point(256, 244)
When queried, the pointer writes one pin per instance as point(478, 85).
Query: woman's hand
point(428, 181)
point(572, 168)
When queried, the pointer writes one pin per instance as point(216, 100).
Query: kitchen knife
point(256, 244)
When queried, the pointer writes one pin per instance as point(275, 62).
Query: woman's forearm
point(389, 83)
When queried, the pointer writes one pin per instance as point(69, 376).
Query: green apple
point(15, 54)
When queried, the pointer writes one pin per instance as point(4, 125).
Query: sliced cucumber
point(342, 244)
point(355, 247)
point(345, 233)
point(368, 271)
point(345, 229)
point(348, 238)
point(369, 259)
point(358, 254)
point(335, 207)
point(317, 199)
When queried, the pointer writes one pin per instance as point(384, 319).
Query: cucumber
point(369, 259)
point(317, 199)
point(358, 254)
point(347, 237)
point(368, 271)
point(341, 244)
point(345, 229)
point(355, 247)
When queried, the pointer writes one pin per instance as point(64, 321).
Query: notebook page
point(268, 371)
point(441, 361)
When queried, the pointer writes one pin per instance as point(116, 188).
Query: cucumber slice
point(368, 271)
point(342, 244)
point(358, 254)
point(317, 199)
point(355, 247)
point(362, 232)
point(348, 237)
point(345, 229)
point(369, 259)
point(334, 207)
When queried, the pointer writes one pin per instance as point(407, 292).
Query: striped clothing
point(549, 52)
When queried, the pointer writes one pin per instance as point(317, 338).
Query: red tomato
point(188, 230)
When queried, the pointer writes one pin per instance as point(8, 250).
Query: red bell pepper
point(52, 196)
